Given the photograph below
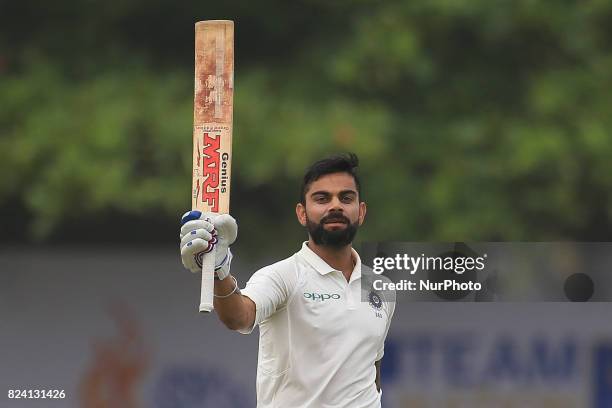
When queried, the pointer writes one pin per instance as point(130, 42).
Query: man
point(321, 327)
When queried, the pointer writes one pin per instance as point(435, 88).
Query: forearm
point(236, 311)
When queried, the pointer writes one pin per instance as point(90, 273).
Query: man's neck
point(340, 259)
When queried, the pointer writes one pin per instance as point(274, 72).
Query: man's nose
point(336, 204)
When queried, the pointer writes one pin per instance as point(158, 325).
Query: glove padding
point(203, 232)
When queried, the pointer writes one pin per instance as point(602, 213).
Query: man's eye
point(320, 199)
point(347, 199)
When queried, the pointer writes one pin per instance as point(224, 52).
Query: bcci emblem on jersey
point(375, 300)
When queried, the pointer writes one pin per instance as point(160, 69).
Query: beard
point(335, 238)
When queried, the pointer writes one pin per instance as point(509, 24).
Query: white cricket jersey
point(318, 340)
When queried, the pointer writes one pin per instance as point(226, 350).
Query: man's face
point(332, 213)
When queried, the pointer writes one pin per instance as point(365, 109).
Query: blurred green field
point(474, 120)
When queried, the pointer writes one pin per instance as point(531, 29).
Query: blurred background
point(474, 120)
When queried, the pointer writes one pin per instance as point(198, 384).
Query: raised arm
point(237, 312)
point(267, 290)
point(200, 233)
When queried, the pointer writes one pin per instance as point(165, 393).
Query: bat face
point(213, 111)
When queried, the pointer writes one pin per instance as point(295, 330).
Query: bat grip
point(208, 282)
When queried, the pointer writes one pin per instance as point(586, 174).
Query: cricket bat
point(212, 130)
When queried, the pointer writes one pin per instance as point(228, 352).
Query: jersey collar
point(322, 267)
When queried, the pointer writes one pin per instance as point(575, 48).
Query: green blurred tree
point(474, 120)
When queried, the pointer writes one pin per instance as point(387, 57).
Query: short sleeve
point(270, 288)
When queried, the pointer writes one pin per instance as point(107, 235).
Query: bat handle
point(208, 282)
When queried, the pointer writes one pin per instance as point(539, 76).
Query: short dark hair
point(338, 163)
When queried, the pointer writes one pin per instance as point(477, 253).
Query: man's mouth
point(335, 222)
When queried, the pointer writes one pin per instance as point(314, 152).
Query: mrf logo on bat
point(211, 168)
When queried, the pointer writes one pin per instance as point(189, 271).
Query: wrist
point(227, 288)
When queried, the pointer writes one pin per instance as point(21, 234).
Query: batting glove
point(203, 232)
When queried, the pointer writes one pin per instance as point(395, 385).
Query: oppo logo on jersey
point(321, 297)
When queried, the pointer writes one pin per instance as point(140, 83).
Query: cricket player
point(321, 326)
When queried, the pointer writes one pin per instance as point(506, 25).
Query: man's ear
point(300, 212)
point(362, 212)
